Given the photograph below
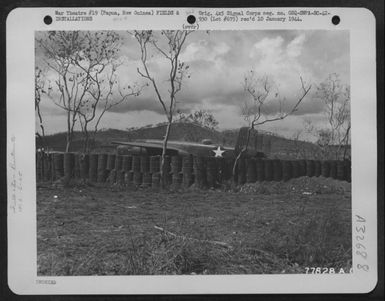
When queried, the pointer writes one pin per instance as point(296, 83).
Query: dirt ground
point(262, 228)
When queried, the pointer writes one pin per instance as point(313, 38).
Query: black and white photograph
point(174, 151)
point(193, 152)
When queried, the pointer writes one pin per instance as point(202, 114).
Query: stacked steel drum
point(180, 171)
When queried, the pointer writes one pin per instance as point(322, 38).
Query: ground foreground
point(263, 228)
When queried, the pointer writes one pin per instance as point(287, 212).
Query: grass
point(111, 231)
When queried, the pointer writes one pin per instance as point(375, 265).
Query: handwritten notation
point(15, 181)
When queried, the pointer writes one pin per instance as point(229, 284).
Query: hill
point(274, 145)
point(179, 131)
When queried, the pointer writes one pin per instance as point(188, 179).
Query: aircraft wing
point(147, 145)
point(178, 148)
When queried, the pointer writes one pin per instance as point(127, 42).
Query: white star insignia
point(218, 152)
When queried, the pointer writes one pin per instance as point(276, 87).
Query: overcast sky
point(218, 62)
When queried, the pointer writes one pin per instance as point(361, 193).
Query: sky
point(218, 62)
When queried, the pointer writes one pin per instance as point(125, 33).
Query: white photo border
point(22, 243)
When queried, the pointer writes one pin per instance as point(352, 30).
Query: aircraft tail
point(241, 140)
point(256, 141)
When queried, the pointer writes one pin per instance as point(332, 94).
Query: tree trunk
point(162, 166)
point(86, 134)
point(42, 136)
point(346, 142)
point(68, 144)
point(243, 150)
point(86, 142)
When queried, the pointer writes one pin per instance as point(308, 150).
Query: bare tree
point(336, 99)
point(104, 94)
point(169, 46)
point(262, 94)
point(39, 91)
point(78, 61)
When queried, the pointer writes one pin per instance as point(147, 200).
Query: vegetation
point(281, 147)
point(333, 137)
point(82, 78)
point(174, 41)
point(200, 117)
point(108, 231)
point(263, 93)
point(40, 89)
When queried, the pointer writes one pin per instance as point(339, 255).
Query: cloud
point(146, 103)
point(294, 48)
point(268, 49)
point(273, 57)
point(136, 104)
point(218, 62)
point(204, 50)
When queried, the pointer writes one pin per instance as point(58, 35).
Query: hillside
point(274, 145)
point(179, 131)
